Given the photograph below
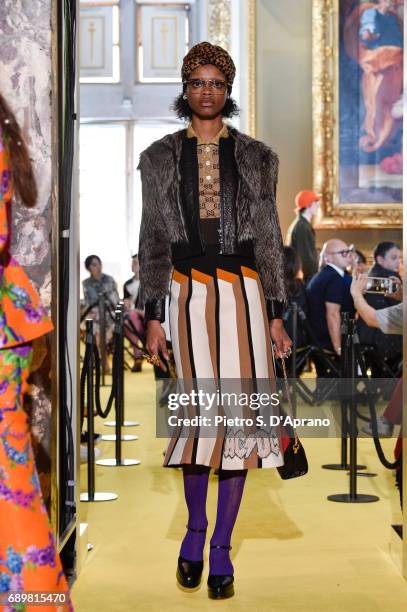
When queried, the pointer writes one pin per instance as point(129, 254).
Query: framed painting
point(358, 111)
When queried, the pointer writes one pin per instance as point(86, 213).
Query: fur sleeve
point(154, 245)
point(269, 243)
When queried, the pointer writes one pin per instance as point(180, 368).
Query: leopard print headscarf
point(206, 53)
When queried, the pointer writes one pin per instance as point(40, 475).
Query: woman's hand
point(156, 342)
point(358, 286)
point(280, 338)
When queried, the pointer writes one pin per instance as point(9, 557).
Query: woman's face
point(359, 266)
point(95, 268)
point(206, 102)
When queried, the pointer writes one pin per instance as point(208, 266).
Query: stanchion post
point(344, 403)
point(343, 465)
point(124, 423)
point(121, 344)
point(119, 389)
point(90, 406)
point(352, 414)
point(294, 358)
point(102, 330)
point(118, 371)
point(353, 430)
point(91, 495)
point(352, 497)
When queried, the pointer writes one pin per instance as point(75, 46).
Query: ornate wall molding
point(219, 22)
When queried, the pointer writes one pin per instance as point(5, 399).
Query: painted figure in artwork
point(373, 37)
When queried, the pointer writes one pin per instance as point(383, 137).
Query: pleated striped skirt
point(220, 337)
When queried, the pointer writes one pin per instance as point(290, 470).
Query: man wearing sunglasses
point(328, 295)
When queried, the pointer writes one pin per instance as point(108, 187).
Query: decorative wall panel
point(99, 50)
point(25, 69)
point(163, 33)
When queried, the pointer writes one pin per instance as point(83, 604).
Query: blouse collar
point(223, 133)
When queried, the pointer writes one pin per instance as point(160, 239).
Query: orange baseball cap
point(305, 198)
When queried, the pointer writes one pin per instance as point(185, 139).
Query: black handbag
point(295, 459)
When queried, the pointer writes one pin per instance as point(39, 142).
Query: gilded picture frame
point(374, 198)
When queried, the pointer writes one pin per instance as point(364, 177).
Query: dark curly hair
point(183, 110)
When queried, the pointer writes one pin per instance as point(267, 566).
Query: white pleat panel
point(228, 341)
point(203, 366)
point(175, 289)
point(199, 332)
point(259, 334)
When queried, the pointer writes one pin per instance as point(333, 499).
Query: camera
point(380, 285)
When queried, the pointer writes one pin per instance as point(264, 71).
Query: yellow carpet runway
point(292, 549)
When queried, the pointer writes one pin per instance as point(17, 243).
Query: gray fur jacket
point(248, 212)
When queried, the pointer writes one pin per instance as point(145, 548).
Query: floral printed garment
point(22, 316)
point(28, 559)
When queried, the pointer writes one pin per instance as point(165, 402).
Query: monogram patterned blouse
point(209, 180)
point(22, 316)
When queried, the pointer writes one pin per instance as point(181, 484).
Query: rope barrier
point(90, 384)
point(390, 465)
point(87, 394)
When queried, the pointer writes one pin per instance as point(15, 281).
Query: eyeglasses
point(217, 86)
point(344, 252)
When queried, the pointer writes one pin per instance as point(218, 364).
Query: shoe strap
point(212, 546)
point(195, 530)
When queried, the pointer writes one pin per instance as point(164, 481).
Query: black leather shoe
point(220, 587)
point(189, 573)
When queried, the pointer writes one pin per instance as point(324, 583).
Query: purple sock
point(195, 488)
point(231, 485)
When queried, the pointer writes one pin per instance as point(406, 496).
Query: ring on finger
point(153, 359)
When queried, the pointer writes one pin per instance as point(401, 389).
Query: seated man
point(328, 295)
point(387, 264)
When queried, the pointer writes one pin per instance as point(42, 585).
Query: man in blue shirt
point(328, 294)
